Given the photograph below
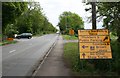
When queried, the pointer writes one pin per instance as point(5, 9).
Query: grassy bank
point(92, 67)
point(68, 37)
point(5, 42)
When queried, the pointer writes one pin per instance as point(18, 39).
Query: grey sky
point(53, 8)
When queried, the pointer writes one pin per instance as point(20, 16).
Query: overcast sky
point(53, 8)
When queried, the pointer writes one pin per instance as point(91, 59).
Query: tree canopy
point(23, 17)
point(69, 20)
point(10, 11)
point(109, 12)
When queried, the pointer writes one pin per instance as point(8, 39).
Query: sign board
point(94, 38)
point(95, 47)
point(93, 32)
point(71, 32)
point(94, 44)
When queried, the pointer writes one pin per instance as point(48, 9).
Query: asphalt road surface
point(20, 59)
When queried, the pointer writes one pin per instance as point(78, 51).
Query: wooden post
point(93, 15)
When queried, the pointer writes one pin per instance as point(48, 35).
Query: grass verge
point(68, 37)
point(7, 42)
point(92, 67)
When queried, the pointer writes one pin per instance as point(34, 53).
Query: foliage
point(25, 17)
point(10, 30)
point(110, 13)
point(68, 37)
point(69, 20)
point(10, 11)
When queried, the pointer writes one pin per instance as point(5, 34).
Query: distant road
point(21, 58)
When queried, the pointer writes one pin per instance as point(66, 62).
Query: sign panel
point(94, 38)
point(71, 32)
point(95, 47)
point(93, 32)
point(94, 44)
point(95, 55)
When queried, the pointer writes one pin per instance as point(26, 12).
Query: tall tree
point(111, 14)
point(10, 11)
point(33, 20)
point(69, 20)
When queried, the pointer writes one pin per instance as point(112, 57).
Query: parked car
point(24, 35)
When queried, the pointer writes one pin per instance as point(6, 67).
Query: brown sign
point(93, 32)
point(94, 38)
point(71, 32)
point(94, 44)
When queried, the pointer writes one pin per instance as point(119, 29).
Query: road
point(21, 58)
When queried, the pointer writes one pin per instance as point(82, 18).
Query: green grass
point(0, 35)
point(71, 55)
point(7, 42)
point(92, 67)
point(68, 37)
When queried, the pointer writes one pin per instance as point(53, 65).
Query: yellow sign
point(94, 38)
point(95, 55)
point(93, 32)
point(94, 44)
point(71, 32)
point(95, 47)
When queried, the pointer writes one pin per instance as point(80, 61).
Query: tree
point(110, 13)
point(29, 19)
point(10, 11)
point(69, 20)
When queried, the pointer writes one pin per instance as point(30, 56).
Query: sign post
point(94, 44)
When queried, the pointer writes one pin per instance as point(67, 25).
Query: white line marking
point(12, 51)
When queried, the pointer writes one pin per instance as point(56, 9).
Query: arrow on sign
point(83, 55)
point(84, 46)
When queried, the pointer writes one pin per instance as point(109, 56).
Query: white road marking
point(12, 51)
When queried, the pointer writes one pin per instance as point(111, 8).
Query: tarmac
point(54, 64)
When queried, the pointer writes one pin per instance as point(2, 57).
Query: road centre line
point(12, 51)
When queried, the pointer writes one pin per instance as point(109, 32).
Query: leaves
point(25, 17)
point(69, 20)
point(10, 11)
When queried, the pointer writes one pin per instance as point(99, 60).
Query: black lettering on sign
point(100, 53)
point(100, 46)
point(92, 53)
point(102, 57)
point(91, 57)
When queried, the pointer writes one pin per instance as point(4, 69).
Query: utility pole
point(93, 15)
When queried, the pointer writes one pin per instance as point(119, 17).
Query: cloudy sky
point(53, 8)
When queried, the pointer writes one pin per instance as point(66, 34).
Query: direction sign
point(94, 44)
point(94, 38)
point(71, 32)
point(95, 47)
point(93, 32)
point(95, 55)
